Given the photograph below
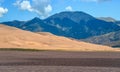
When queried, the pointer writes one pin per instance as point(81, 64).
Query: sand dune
point(11, 37)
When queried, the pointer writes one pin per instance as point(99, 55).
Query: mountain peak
point(36, 18)
point(75, 16)
point(73, 12)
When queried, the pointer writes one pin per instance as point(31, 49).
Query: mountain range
point(77, 25)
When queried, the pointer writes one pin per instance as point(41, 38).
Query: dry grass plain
point(58, 61)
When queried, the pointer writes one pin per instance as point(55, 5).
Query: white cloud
point(95, 0)
point(3, 11)
point(41, 7)
point(69, 8)
point(48, 9)
point(24, 5)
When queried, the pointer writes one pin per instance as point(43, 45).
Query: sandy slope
point(11, 37)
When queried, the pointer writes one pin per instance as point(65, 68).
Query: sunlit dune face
point(11, 37)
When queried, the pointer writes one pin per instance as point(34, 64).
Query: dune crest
point(11, 37)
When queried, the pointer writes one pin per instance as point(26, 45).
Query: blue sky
point(28, 9)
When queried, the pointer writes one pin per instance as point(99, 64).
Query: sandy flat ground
point(56, 61)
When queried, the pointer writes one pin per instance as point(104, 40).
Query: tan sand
point(11, 37)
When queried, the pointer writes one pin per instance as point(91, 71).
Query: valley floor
point(58, 61)
point(56, 69)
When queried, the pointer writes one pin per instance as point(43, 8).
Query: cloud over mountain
point(3, 11)
point(24, 5)
point(41, 7)
point(69, 8)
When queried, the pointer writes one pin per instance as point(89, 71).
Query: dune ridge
point(11, 37)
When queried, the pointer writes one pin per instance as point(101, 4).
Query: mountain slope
point(80, 25)
point(77, 25)
point(34, 25)
point(11, 37)
point(110, 39)
point(118, 23)
point(108, 19)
